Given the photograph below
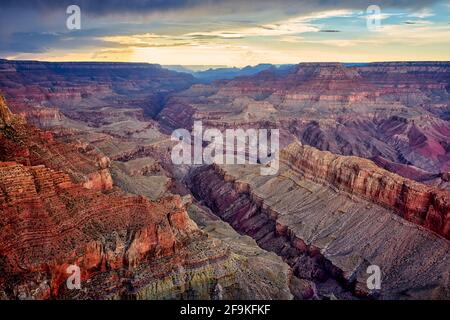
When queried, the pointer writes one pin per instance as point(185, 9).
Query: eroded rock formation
point(397, 112)
point(421, 204)
point(126, 246)
point(326, 235)
point(97, 188)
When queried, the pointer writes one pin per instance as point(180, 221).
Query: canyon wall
point(35, 84)
point(97, 186)
point(421, 204)
point(326, 235)
point(397, 112)
point(126, 246)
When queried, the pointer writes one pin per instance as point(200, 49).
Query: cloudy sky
point(226, 32)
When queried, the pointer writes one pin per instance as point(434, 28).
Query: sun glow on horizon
point(338, 34)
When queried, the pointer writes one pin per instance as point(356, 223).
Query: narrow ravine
point(249, 217)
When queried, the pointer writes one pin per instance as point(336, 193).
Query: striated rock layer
point(418, 203)
point(31, 146)
point(127, 247)
point(397, 112)
point(327, 216)
point(326, 235)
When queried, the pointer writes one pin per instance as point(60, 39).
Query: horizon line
point(223, 65)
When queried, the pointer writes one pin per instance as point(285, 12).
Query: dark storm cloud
point(29, 42)
point(147, 6)
point(37, 42)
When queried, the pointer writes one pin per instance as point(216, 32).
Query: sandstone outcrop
point(30, 146)
point(5, 114)
point(124, 246)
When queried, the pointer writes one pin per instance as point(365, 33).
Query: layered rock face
point(125, 246)
point(31, 146)
point(98, 187)
point(328, 236)
point(6, 116)
point(415, 202)
point(31, 84)
point(99, 108)
point(397, 112)
point(49, 223)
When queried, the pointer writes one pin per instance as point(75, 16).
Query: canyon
point(394, 113)
point(327, 236)
point(86, 178)
point(127, 246)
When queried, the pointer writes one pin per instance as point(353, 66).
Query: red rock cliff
point(421, 204)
